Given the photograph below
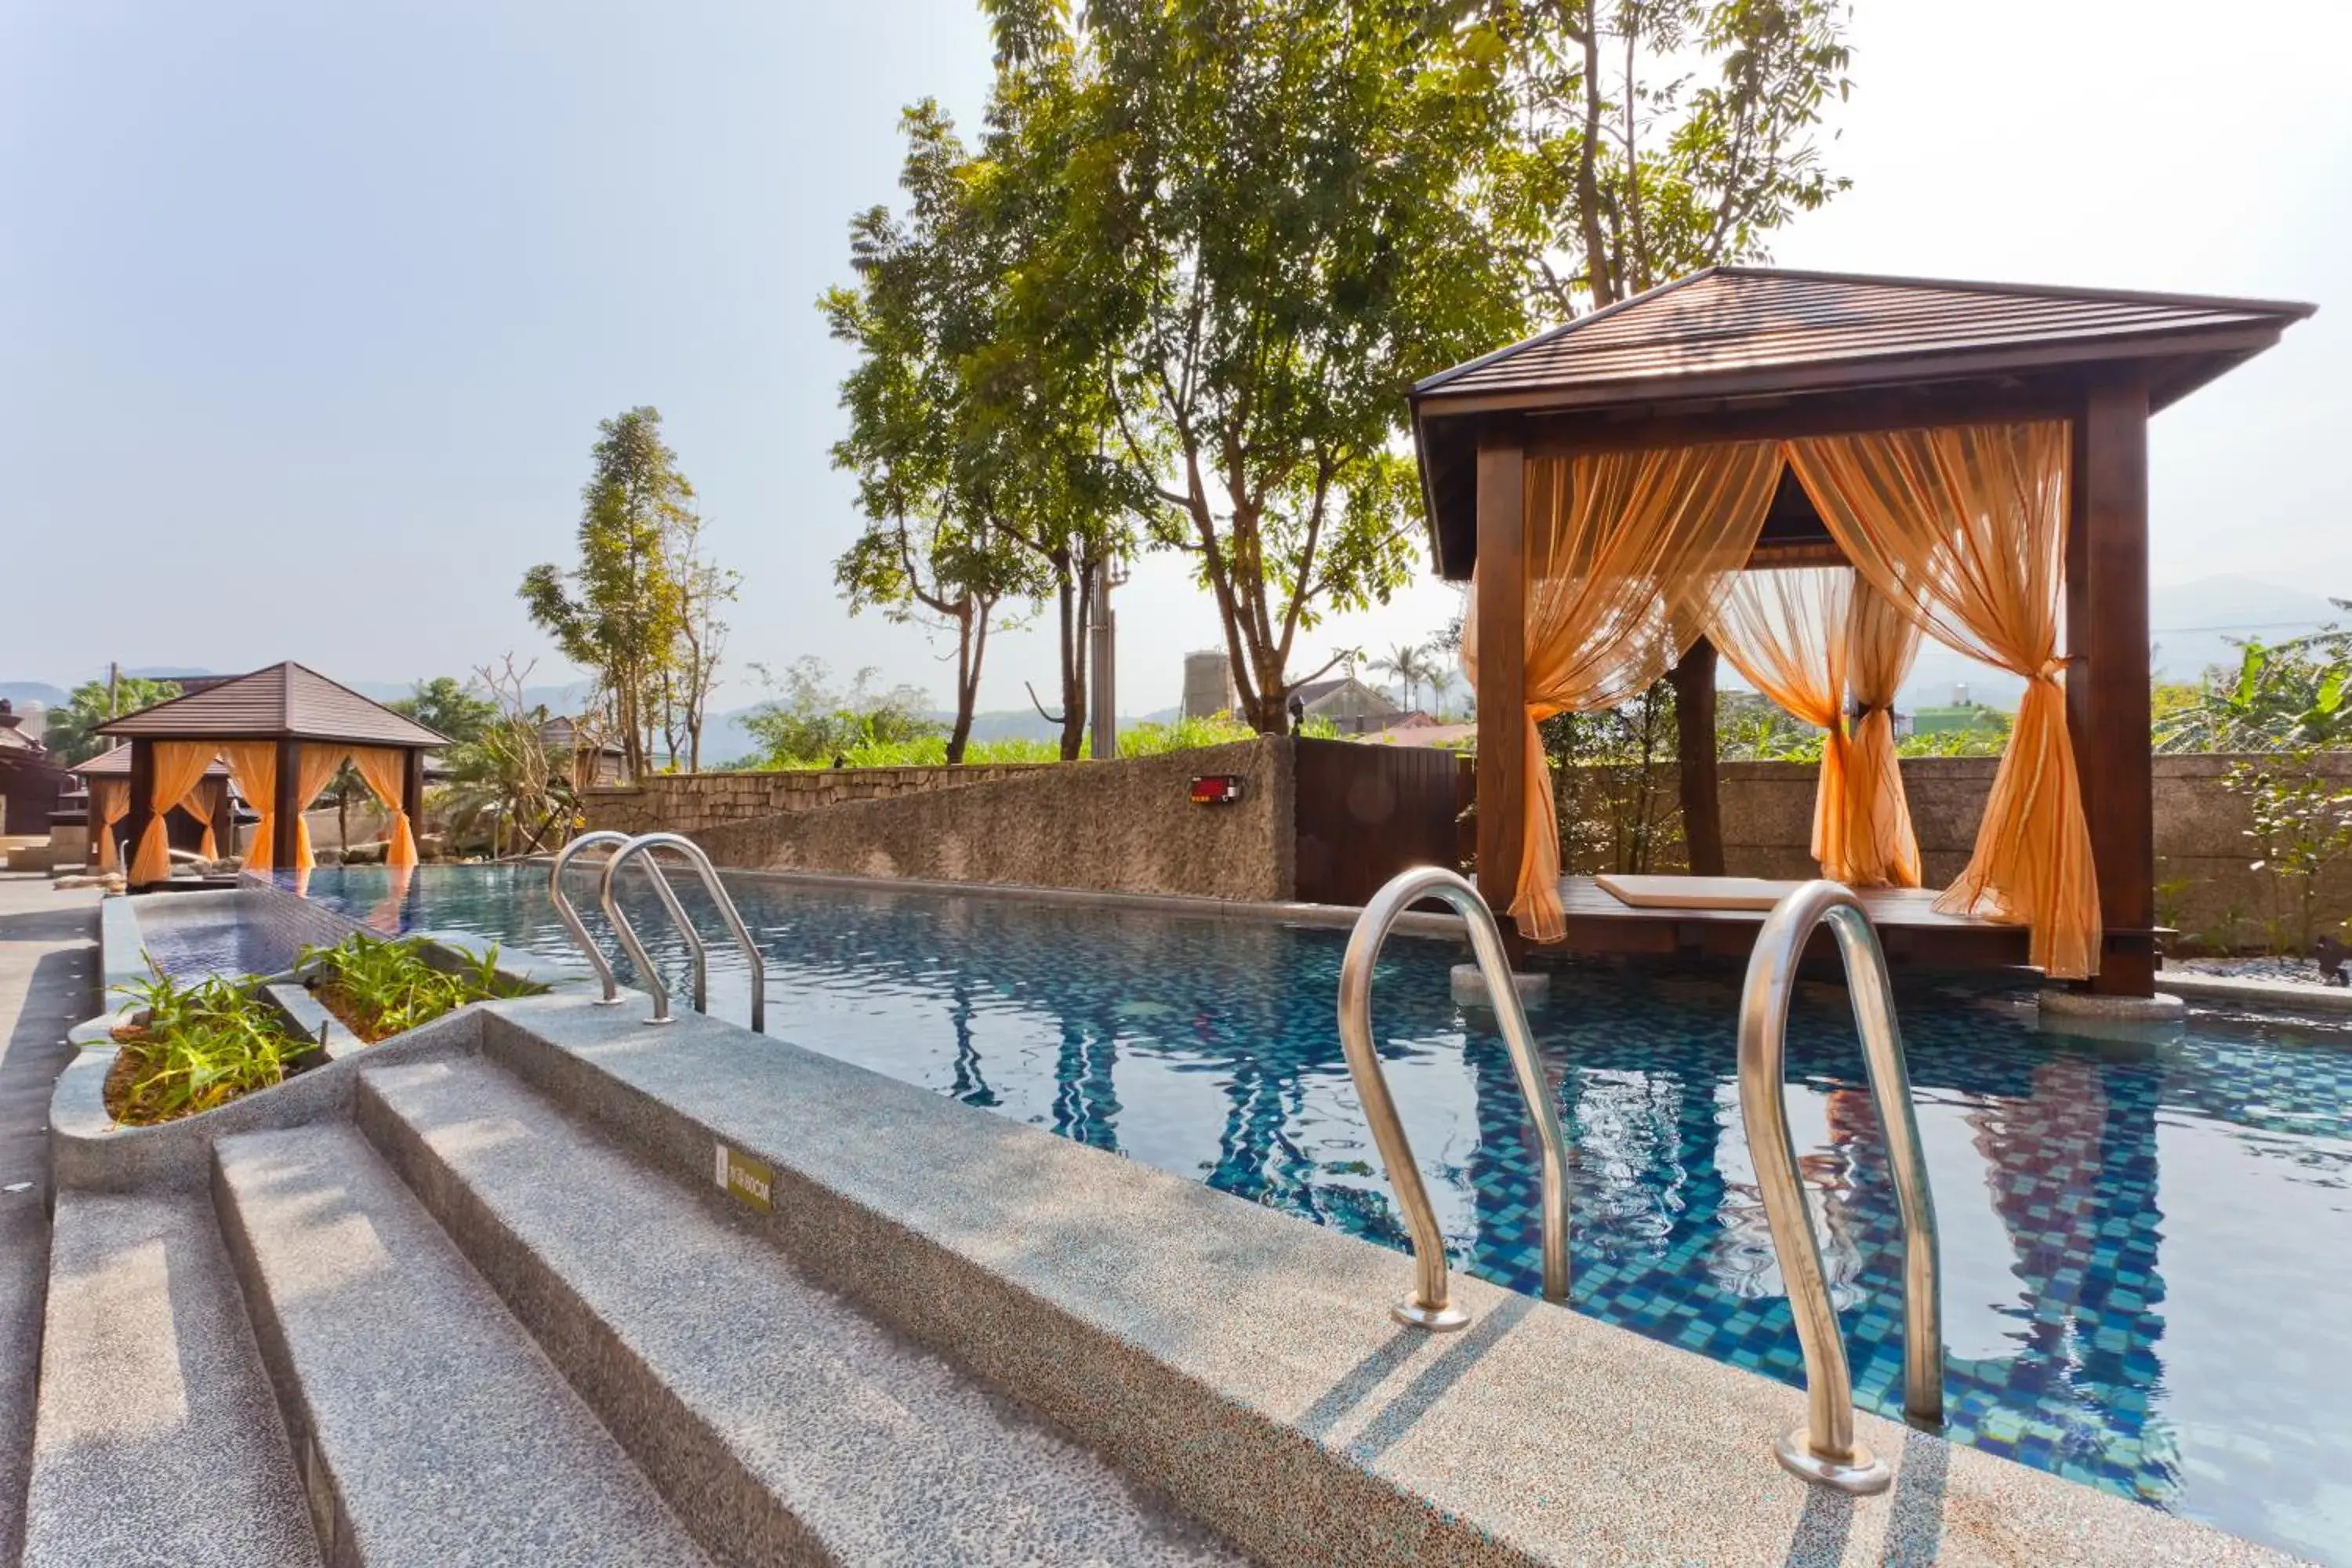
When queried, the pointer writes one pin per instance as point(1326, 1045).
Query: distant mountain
point(20, 692)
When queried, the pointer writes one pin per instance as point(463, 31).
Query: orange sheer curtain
point(179, 767)
point(384, 769)
point(253, 768)
point(1628, 555)
point(198, 804)
point(1963, 530)
point(314, 769)
point(109, 803)
point(1786, 632)
point(1881, 849)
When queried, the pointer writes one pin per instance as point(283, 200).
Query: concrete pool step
point(157, 1440)
point(428, 1427)
point(783, 1423)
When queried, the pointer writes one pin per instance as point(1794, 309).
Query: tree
point(504, 791)
point(934, 543)
point(622, 609)
point(1269, 220)
point(808, 722)
point(692, 669)
point(443, 705)
point(1410, 665)
point(1655, 137)
point(72, 735)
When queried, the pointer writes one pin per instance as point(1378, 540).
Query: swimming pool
point(2147, 1249)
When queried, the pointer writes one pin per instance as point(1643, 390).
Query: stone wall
point(1122, 826)
point(2205, 888)
point(694, 802)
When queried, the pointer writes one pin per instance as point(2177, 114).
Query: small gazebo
point(1965, 461)
point(282, 732)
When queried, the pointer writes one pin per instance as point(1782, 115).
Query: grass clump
point(386, 985)
point(196, 1047)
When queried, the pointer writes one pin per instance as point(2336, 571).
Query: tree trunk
point(1077, 607)
point(1694, 684)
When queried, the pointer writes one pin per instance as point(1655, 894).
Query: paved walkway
point(49, 980)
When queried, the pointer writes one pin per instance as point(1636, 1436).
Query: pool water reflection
point(2147, 1249)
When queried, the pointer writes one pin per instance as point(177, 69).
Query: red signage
point(1216, 789)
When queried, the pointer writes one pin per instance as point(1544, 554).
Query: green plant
point(72, 735)
point(2287, 694)
point(383, 986)
point(2301, 826)
point(1612, 784)
point(195, 1047)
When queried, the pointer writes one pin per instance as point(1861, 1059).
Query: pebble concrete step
point(428, 1427)
point(157, 1441)
point(784, 1424)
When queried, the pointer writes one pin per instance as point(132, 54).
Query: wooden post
point(1502, 663)
point(2107, 672)
point(411, 789)
point(289, 809)
point(142, 791)
point(1694, 762)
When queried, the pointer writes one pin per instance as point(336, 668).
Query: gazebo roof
point(116, 764)
point(1735, 336)
point(284, 702)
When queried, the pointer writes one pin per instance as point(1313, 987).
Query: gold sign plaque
point(745, 1177)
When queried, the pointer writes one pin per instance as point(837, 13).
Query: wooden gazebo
point(1844, 400)
point(282, 734)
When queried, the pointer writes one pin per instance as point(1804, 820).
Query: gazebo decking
point(1910, 928)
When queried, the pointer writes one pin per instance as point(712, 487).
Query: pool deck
point(48, 975)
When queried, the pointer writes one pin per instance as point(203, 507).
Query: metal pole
point(1431, 1304)
point(1824, 1450)
point(1103, 654)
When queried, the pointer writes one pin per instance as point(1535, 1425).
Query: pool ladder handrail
point(1431, 1305)
point(644, 844)
point(625, 847)
point(570, 916)
point(1824, 1450)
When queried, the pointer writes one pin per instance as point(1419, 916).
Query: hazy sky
point(308, 312)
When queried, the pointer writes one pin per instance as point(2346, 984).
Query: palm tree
point(1407, 663)
point(1439, 679)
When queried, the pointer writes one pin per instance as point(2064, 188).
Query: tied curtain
point(253, 768)
point(199, 804)
point(1628, 556)
point(1882, 851)
point(109, 803)
point(314, 769)
point(1785, 633)
point(1963, 531)
point(1805, 637)
point(385, 768)
point(178, 768)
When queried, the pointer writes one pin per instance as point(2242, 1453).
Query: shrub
point(199, 1046)
point(383, 986)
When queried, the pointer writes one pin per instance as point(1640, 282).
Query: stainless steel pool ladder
point(1431, 1305)
point(643, 845)
point(1824, 1450)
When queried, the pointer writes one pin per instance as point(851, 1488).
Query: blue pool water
point(2148, 1250)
